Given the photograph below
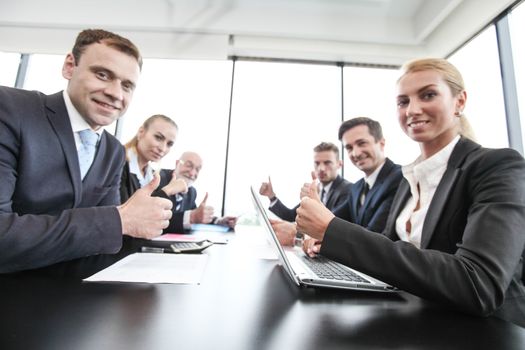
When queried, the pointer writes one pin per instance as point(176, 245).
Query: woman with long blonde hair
point(154, 139)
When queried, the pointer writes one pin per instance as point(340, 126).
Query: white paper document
point(155, 268)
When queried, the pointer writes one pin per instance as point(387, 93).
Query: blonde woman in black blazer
point(468, 254)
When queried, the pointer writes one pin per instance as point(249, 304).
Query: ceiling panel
point(361, 31)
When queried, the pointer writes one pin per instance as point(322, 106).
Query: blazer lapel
point(437, 205)
point(59, 120)
point(101, 150)
point(356, 192)
point(333, 189)
point(400, 199)
point(375, 189)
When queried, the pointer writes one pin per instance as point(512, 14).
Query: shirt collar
point(422, 167)
point(134, 168)
point(78, 123)
point(326, 187)
point(371, 179)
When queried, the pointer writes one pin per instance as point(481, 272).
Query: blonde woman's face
point(156, 141)
point(427, 110)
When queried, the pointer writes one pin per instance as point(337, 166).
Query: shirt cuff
point(186, 222)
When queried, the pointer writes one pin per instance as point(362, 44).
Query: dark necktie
point(323, 196)
point(362, 196)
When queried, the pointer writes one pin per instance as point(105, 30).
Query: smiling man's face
point(101, 83)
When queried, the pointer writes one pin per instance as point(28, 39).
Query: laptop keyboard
point(328, 269)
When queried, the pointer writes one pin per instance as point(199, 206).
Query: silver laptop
point(319, 271)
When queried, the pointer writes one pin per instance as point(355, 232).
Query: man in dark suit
point(59, 195)
point(370, 198)
point(471, 241)
point(185, 209)
point(333, 188)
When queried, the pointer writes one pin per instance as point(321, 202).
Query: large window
point(281, 111)
point(370, 92)
point(517, 33)
point(8, 68)
point(478, 62)
point(44, 73)
point(196, 95)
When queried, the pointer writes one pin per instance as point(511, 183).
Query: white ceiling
point(357, 31)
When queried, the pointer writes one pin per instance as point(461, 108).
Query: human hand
point(203, 214)
point(175, 186)
point(312, 216)
point(311, 246)
point(307, 188)
point(229, 221)
point(267, 189)
point(143, 216)
point(285, 231)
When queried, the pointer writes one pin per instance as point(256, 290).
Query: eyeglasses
point(189, 165)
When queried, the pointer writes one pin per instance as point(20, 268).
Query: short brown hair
point(327, 146)
point(91, 36)
point(374, 128)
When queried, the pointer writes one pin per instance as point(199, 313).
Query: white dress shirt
point(326, 189)
point(371, 180)
point(135, 169)
point(78, 123)
point(425, 174)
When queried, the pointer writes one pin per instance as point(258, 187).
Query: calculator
point(190, 247)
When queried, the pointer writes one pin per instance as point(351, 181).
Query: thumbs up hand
point(175, 186)
point(309, 189)
point(203, 214)
point(266, 189)
point(143, 216)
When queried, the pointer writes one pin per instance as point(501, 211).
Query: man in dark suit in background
point(59, 194)
point(333, 188)
point(370, 198)
point(185, 209)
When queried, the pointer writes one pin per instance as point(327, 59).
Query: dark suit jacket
point(188, 198)
point(129, 183)
point(47, 214)
point(338, 194)
point(472, 241)
point(374, 212)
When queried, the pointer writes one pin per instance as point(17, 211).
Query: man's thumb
point(204, 200)
point(153, 184)
point(313, 191)
point(314, 175)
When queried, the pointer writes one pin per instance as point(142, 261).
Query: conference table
point(242, 302)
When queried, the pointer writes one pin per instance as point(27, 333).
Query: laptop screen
point(274, 241)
